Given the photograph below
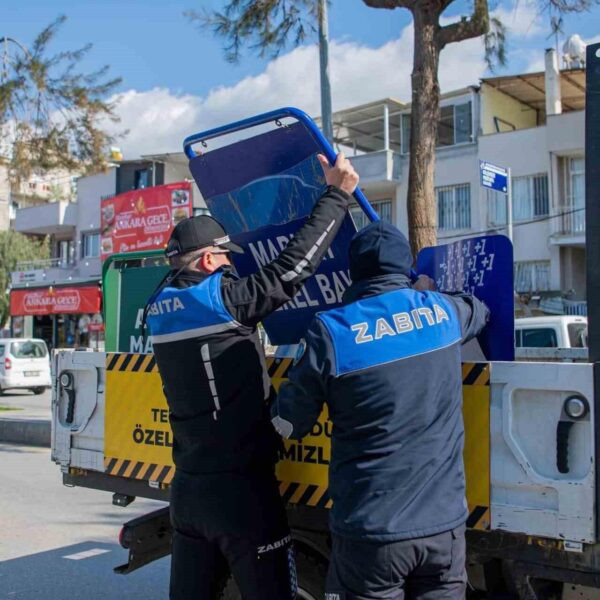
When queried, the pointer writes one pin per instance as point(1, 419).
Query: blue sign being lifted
point(261, 184)
point(493, 177)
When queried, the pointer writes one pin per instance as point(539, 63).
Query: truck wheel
point(38, 390)
point(311, 579)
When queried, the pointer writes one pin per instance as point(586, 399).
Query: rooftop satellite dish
point(574, 52)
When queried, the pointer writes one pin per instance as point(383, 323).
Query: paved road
point(30, 405)
point(58, 542)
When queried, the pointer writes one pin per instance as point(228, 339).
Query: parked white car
point(560, 331)
point(24, 364)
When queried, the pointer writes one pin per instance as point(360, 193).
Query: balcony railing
point(570, 220)
point(575, 307)
point(47, 263)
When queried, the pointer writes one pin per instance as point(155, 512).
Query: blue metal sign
point(262, 189)
point(482, 266)
point(493, 177)
point(321, 292)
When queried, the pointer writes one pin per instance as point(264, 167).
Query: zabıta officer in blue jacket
point(388, 365)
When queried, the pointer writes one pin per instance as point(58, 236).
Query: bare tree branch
point(478, 24)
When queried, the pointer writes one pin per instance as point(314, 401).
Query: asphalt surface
point(58, 542)
point(28, 404)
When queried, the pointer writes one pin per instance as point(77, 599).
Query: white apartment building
point(531, 123)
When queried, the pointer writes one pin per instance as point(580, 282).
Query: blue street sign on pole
point(493, 177)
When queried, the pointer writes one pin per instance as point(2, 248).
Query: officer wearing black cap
point(225, 506)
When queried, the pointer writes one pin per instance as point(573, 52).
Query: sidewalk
point(29, 423)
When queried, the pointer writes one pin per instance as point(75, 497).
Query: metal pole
point(324, 67)
point(509, 207)
point(592, 207)
point(386, 127)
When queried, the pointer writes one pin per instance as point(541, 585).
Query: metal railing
point(46, 263)
point(570, 219)
point(575, 307)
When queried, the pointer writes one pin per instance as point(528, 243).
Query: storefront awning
point(55, 300)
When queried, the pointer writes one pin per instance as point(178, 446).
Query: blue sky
point(175, 77)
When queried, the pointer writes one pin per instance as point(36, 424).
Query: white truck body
point(528, 493)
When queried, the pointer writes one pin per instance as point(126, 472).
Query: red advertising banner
point(143, 219)
point(55, 301)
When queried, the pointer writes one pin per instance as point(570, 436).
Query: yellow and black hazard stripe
point(304, 493)
point(131, 469)
point(479, 518)
point(472, 373)
point(313, 495)
point(123, 361)
point(476, 374)
point(278, 367)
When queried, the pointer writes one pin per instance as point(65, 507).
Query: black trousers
point(429, 568)
point(233, 522)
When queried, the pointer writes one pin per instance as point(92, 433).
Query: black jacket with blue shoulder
point(208, 352)
point(388, 365)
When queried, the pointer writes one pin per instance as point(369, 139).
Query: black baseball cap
point(199, 232)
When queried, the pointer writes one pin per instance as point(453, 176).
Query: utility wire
point(518, 224)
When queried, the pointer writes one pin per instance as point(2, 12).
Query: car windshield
point(28, 349)
point(542, 337)
point(578, 335)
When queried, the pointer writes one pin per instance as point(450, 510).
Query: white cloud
point(158, 119)
point(522, 18)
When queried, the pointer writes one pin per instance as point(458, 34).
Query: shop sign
point(29, 276)
point(55, 301)
point(143, 219)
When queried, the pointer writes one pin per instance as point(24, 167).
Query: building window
point(405, 133)
point(454, 127)
point(90, 245)
point(532, 276)
point(383, 208)
point(65, 253)
point(530, 197)
point(572, 209)
point(530, 200)
point(576, 182)
point(454, 206)
point(141, 179)
point(497, 207)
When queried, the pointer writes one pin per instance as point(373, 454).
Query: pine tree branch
point(391, 4)
point(467, 28)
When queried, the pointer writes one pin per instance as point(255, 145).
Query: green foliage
point(51, 115)
point(15, 247)
point(495, 44)
point(264, 25)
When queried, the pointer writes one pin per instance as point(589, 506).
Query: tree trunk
point(422, 222)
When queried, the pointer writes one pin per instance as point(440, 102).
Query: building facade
point(59, 299)
point(531, 123)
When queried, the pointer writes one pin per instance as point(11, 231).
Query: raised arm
point(252, 298)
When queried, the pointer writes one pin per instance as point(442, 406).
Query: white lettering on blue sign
point(403, 323)
point(493, 177)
